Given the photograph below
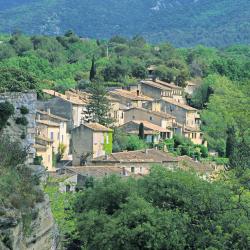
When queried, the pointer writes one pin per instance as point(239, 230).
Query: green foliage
point(38, 160)
point(6, 110)
point(141, 131)
point(98, 106)
point(166, 209)
point(122, 141)
point(22, 121)
point(214, 23)
point(61, 209)
point(108, 145)
point(24, 110)
point(12, 79)
point(18, 183)
point(227, 107)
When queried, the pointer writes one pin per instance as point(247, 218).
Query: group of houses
point(65, 131)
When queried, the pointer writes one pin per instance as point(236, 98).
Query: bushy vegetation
point(165, 210)
point(122, 141)
point(6, 111)
point(18, 184)
point(182, 22)
point(180, 145)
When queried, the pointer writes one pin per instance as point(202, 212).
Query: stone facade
point(87, 141)
point(28, 100)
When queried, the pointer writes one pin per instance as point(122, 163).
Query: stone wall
point(28, 100)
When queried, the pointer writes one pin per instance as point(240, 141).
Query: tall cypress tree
point(141, 131)
point(231, 142)
point(92, 72)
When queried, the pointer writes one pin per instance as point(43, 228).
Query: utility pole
point(107, 51)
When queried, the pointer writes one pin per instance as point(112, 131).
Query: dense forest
point(64, 62)
point(184, 22)
point(164, 210)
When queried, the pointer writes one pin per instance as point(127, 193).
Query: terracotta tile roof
point(48, 123)
point(94, 171)
point(191, 129)
point(156, 113)
point(181, 105)
point(39, 147)
point(132, 95)
point(149, 125)
point(156, 85)
point(52, 116)
point(70, 98)
point(187, 163)
point(139, 156)
point(170, 85)
point(42, 138)
point(97, 127)
point(146, 132)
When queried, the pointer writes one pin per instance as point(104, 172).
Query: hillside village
point(65, 140)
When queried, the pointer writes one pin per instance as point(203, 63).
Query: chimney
point(146, 151)
point(106, 157)
point(48, 111)
point(38, 117)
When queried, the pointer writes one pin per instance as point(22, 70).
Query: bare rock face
point(43, 231)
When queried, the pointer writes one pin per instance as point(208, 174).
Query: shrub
point(38, 160)
point(22, 121)
point(24, 110)
point(6, 110)
point(23, 135)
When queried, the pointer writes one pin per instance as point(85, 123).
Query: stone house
point(161, 119)
point(50, 130)
point(63, 137)
point(90, 140)
point(187, 117)
point(152, 133)
point(183, 113)
point(158, 89)
point(71, 106)
point(78, 176)
point(137, 162)
point(44, 149)
point(129, 99)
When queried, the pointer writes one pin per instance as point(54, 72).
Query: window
point(107, 138)
point(48, 158)
point(58, 136)
point(151, 118)
point(133, 117)
point(51, 135)
point(62, 138)
point(132, 169)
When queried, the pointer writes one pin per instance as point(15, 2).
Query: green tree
point(231, 142)
point(16, 80)
point(6, 110)
point(141, 131)
point(99, 106)
point(92, 72)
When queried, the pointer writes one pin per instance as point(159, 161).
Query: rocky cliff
point(42, 233)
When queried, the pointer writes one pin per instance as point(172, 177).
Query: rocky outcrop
point(19, 100)
point(43, 234)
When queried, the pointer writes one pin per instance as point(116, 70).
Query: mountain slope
point(183, 22)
